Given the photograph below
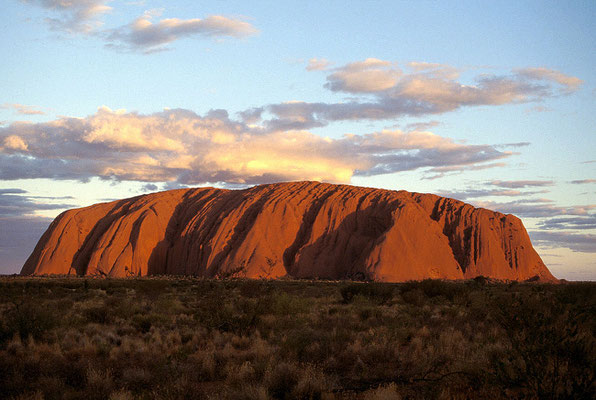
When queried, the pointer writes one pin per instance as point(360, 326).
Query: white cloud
point(581, 242)
point(142, 34)
point(538, 109)
point(435, 69)
point(317, 64)
point(478, 193)
point(181, 146)
point(16, 203)
point(583, 222)
point(23, 109)
point(440, 172)
point(370, 75)
point(536, 208)
point(147, 36)
point(569, 83)
point(521, 183)
point(74, 16)
point(583, 181)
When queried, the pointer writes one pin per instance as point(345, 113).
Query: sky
point(492, 103)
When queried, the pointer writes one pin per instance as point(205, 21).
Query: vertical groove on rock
point(239, 233)
point(308, 219)
point(82, 257)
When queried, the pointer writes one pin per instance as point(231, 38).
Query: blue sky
point(489, 102)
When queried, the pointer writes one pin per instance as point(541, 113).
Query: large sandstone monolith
point(297, 229)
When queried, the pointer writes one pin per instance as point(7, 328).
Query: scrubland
point(184, 338)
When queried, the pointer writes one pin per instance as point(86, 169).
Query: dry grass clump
point(241, 339)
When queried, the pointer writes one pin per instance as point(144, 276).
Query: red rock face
point(298, 229)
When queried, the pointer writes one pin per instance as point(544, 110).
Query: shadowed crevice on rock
point(353, 241)
point(81, 259)
point(163, 258)
point(308, 219)
point(241, 229)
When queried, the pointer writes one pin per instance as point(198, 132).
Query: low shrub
point(27, 320)
point(282, 380)
point(549, 349)
point(380, 293)
point(238, 339)
point(435, 288)
point(99, 314)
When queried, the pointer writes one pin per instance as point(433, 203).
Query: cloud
point(20, 228)
point(149, 187)
point(18, 237)
point(521, 184)
point(436, 69)
point(143, 34)
point(535, 208)
point(23, 109)
point(580, 242)
point(15, 203)
point(74, 16)
point(370, 75)
point(422, 126)
point(583, 181)
point(317, 64)
point(569, 83)
point(538, 109)
point(478, 193)
point(12, 191)
point(181, 146)
point(384, 91)
point(516, 144)
point(147, 36)
point(14, 142)
point(455, 169)
point(579, 222)
point(251, 116)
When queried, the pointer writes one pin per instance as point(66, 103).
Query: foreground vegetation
point(241, 339)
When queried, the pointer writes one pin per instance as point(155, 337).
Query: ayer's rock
point(298, 229)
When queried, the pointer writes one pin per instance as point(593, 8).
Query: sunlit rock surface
point(297, 229)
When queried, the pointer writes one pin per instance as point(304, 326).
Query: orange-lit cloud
point(370, 75)
point(384, 91)
point(181, 146)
